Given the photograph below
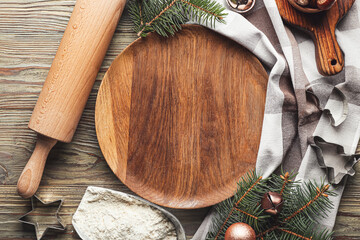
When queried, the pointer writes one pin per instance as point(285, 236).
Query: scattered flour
point(106, 214)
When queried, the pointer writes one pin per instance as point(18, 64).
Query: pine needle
point(166, 16)
point(303, 205)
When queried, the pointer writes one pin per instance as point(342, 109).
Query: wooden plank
point(13, 207)
point(348, 219)
point(30, 31)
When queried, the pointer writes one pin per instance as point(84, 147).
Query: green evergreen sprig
point(304, 204)
point(166, 16)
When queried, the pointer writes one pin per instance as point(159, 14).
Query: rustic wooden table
point(30, 32)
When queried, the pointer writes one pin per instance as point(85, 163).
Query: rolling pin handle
point(30, 177)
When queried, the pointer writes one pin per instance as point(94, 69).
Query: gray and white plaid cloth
point(311, 122)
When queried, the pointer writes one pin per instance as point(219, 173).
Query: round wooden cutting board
point(179, 119)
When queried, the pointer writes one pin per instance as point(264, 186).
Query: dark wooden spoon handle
point(329, 57)
point(321, 26)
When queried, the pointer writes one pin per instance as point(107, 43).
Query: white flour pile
point(107, 214)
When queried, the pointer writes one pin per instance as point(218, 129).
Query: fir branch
point(203, 9)
point(226, 214)
point(222, 227)
point(262, 234)
point(286, 180)
point(156, 17)
point(237, 209)
point(140, 14)
point(166, 16)
point(303, 204)
point(249, 190)
point(295, 234)
point(319, 193)
point(236, 204)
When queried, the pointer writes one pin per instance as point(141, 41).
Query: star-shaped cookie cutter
point(41, 219)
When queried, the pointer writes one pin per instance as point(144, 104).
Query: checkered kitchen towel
point(311, 122)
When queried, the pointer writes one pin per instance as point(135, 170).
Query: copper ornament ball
point(240, 231)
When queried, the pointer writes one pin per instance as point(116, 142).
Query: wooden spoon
point(321, 27)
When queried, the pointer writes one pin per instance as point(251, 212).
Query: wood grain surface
point(179, 119)
point(321, 26)
point(74, 68)
point(30, 32)
point(69, 81)
point(30, 177)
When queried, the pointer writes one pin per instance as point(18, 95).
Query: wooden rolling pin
point(69, 82)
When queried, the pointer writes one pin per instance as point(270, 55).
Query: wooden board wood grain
point(69, 82)
point(321, 26)
point(179, 119)
point(74, 68)
point(30, 32)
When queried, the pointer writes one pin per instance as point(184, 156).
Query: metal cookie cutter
point(241, 6)
point(43, 216)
